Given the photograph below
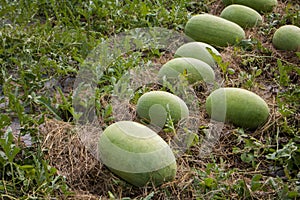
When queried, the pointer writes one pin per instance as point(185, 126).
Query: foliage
point(44, 42)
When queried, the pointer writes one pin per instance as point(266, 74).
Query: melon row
point(247, 14)
point(136, 153)
point(228, 28)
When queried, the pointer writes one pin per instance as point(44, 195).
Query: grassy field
point(43, 43)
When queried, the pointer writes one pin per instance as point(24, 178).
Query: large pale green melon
point(244, 16)
point(156, 106)
point(137, 154)
point(258, 5)
point(287, 37)
point(193, 69)
point(238, 106)
point(198, 50)
point(213, 30)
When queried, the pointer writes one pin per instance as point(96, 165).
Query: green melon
point(258, 5)
point(238, 106)
point(137, 154)
point(213, 30)
point(244, 16)
point(156, 106)
point(287, 38)
point(193, 69)
point(199, 51)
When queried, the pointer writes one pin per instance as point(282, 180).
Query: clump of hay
point(65, 151)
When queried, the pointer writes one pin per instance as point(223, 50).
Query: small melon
point(287, 38)
point(258, 5)
point(193, 69)
point(244, 16)
point(136, 154)
point(156, 106)
point(199, 51)
point(213, 30)
point(238, 106)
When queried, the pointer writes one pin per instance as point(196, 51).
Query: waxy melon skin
point(244, 16)
point(199, 51)
point(213, 30)
point(287, 38)
point(258, 5)
point(193, 69)
point(137, 154)
point(155, 106)
point(238, 106)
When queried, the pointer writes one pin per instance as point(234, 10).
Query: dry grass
point(67, 154)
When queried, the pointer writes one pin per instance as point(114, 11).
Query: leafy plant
point(44, 42)
point(22, 177)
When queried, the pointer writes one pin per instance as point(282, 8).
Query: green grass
point(42, 45)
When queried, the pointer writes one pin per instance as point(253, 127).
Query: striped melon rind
point(137, 154)
point(258, 5)
point(213, 30)
point(244, 16)
point(192, 69)
point(287, 38)
point(238, 106)
point(198, 50)
point(156, 106)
